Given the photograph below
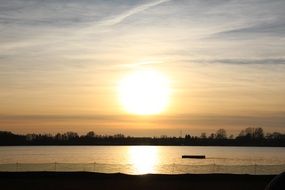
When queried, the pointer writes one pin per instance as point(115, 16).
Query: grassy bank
point(86, 181)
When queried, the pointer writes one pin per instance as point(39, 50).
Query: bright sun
point(144, 92)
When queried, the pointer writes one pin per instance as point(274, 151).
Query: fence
point(132, 169)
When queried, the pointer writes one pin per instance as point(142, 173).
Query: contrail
point(121, 17)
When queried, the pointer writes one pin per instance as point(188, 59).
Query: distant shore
point(248, 137)
point(87, 180)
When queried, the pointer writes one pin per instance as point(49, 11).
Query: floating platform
point(194, 156)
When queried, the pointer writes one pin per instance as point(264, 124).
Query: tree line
point(247, 137)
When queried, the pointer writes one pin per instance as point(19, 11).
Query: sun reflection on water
point(143, 158)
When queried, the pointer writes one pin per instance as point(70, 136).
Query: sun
point(144, 92)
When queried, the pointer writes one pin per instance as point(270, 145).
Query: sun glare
point(143, 158)
point(145, 92)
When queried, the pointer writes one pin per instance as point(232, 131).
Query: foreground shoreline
point(89, 180)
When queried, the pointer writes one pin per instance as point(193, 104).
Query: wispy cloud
point(238, 61)
point(121, 17)
point(274, 29)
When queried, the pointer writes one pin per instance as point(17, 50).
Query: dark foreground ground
point(86, 181)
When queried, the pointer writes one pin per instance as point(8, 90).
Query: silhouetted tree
point(275, 136)
point(119, 136)
point(203, 136)
point(58, 137)
point(71, 135)
point(231, 136)
point(212, 136)
point(252, 133)
point(90, 134)
point(187, 136)
point(258, 133)
point(221, 134)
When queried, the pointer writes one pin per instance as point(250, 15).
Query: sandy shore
point(86, 181)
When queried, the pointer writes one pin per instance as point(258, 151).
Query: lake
point(143, 159)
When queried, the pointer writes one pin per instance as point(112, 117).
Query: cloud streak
point(237, 61)
point(136, 10)
point(126, 122)
point(266, 29)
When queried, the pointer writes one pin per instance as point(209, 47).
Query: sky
point(61, 62)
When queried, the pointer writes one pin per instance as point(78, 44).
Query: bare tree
point(221, 134)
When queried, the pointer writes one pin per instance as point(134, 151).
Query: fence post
point(55, 166)
point(94, 166)
point(254, 168)
point(214, 165)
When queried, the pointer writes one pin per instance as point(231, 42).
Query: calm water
point(144, 159)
